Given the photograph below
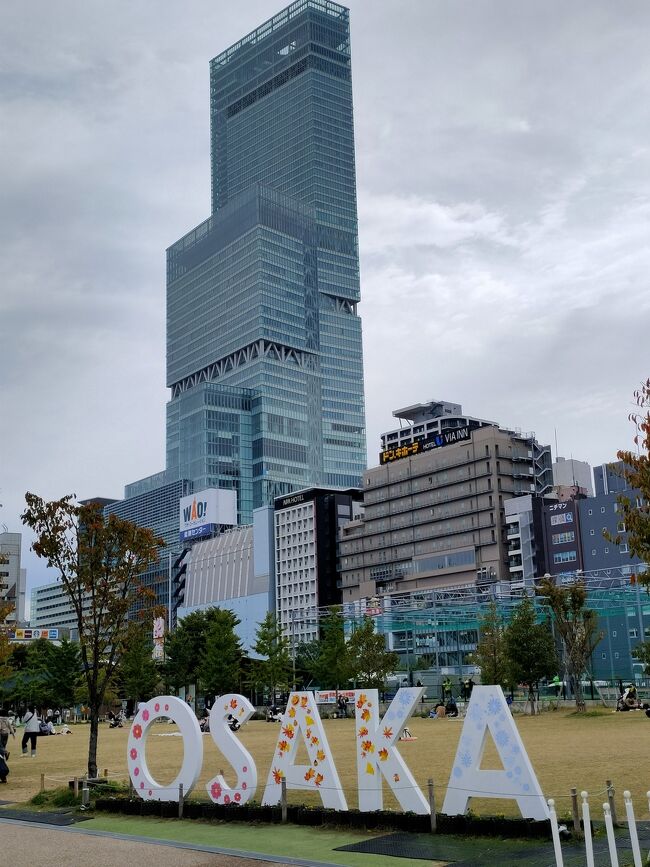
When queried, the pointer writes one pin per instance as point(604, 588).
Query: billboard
point(446, 438)
point(201, 513)
point(33, 634)
point(158, 652)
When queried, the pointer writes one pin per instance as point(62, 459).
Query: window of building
point(613, 633)
point(565, 557)
point(592, 532)
point(604, 655)
point(620, 527)
point(565, 518)
point(602, 510)
point(616, 655)
point(606, 550)
point(563, 538)
point(622, 548)
point(632, 633)
point(590, 512)
point(593, 552)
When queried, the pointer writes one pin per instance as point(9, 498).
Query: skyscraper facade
point(264, 355)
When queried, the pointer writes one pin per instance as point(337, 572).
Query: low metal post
point(283, 800)
point(631, 826)
point(75, 787)
point(180, 800)
point(85, 795)
point(557, 846)
point(586, 824)
point(432, 805)
point(611, 839)
point(574, 810)
point(611, 791)
point(42, 782)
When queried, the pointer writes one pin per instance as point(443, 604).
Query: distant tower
point(264, 354)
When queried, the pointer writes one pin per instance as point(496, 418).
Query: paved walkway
point(36, 845)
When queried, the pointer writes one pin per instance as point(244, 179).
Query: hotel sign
point(446, 438)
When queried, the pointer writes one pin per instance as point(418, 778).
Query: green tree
point(636, 471)
point(577, 627)
point(642, 653)
point(529, 649)
point(370, 662)
point(63, 669)
point(220, 670)
point(273, 669)
point(186, 647)
point(490, 654)
point(99, 562)
point(138, 673)
point(330, 665)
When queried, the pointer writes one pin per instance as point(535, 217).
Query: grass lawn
point(565, 750)
point(316, 844)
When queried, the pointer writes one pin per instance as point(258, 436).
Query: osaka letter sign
point(378, 759)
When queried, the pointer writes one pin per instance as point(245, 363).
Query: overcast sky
point(503, 172)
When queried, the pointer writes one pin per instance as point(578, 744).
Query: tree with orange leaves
point(99, 562)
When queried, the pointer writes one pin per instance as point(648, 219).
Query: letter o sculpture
point(167, 706)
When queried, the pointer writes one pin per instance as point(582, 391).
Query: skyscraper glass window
point(264, 355)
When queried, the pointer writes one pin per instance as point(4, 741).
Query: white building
point(307, 525)
point(520, 516)
point(12, 578)
point(234, 570)
point(51, 607)
point(567, 472)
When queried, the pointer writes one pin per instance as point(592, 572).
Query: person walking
point(32, 728)
point(7, 728)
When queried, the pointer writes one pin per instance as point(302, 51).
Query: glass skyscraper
point(264, 356)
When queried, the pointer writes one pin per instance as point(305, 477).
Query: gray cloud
point(502, 166)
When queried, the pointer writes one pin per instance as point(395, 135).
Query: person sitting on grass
point(437, 712)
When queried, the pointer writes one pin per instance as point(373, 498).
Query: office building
point(52, 608)
point(569, 472)
point(234, 570)
point(157, 509)
point(307, 525)
point(525, 538)
point(264, 357)
point(562, 537)
point(434, 508)
point(608, 479)
point(13, 578)
point(604, 534)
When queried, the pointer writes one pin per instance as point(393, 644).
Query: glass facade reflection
point(264, 355)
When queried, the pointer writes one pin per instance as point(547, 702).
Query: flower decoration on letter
point(232, 750)
point(143, 782)
point(378, 758)
point(306, 727)
point(488, 712)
